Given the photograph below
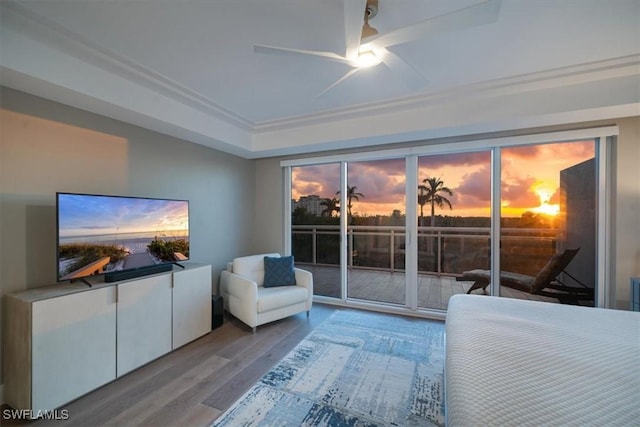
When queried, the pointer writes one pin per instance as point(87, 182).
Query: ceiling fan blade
point(471, 16)
point(353, 19)
point(409, 75)
point(284, 51)
point(340, 80)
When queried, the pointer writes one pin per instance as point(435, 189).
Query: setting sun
point(543, 194)
point(547, 209)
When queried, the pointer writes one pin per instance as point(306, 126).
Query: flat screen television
point(101, 234)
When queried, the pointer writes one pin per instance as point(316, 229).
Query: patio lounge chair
point(545, 283)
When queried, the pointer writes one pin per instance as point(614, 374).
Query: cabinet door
point(144, 321)
point(73, 346)
point(191, 304)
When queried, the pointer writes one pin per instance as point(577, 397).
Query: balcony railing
point(441, 250)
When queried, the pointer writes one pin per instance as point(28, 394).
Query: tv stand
point(83, 280)
point(65, 340)
point(179, 265)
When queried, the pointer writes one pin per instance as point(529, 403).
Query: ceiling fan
point(366, 48)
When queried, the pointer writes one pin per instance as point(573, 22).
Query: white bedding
point(515, 363)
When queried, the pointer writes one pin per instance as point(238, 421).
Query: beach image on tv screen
point(99, 234)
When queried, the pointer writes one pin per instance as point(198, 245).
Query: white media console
point(63, 341)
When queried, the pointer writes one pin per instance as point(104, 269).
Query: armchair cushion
point(278, 297)
point(278, 271)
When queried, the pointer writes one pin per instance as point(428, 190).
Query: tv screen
point(99, 234)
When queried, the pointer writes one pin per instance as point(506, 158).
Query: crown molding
point(58, 37)
point(181, 112)
point(561, 76)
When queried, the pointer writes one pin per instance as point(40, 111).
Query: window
point(523, 199)
point(548, 205)
point(454, 222)
point(315, 224)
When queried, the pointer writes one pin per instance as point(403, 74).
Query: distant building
point(312, 204)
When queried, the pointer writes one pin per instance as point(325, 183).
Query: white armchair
point(244, 295)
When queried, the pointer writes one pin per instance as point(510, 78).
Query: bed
point(517, 363)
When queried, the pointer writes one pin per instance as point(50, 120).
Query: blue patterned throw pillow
point(278, 271)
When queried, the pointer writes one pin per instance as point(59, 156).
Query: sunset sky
point(82, 215)
point(530, 180)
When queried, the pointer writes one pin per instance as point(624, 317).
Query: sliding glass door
point(548, 210)
point(405, 229)
point(375, 205)
point(454, 223)
point(315, 225)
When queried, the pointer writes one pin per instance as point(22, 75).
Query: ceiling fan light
point(367, 59)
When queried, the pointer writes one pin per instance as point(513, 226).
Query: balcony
point(376, 260)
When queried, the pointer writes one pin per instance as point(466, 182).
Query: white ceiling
point(187, 68)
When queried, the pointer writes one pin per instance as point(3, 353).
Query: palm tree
point(422, 200)
point(352, 194)
point(430, 193)
point(330, 206)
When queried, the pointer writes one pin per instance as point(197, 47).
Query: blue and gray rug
point(355, 369)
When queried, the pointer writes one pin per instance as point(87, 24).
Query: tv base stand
point(83, 280)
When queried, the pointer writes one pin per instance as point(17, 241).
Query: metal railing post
point(439, 255)
point(350, 232)
point(392, 253)
point(314, 246)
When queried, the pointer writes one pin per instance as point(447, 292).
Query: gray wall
point(625, 211)
point(269, 220)
point(47, 147)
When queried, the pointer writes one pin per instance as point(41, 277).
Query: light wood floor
point(193, 385)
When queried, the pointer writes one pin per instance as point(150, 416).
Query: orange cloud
point(525, 171)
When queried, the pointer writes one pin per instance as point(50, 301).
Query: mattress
point(527, 363)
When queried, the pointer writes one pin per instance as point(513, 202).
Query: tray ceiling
point(194, 60)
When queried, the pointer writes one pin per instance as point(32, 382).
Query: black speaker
point(217, 311)
point(116, 276)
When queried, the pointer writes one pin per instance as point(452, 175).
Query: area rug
point(355, 369)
